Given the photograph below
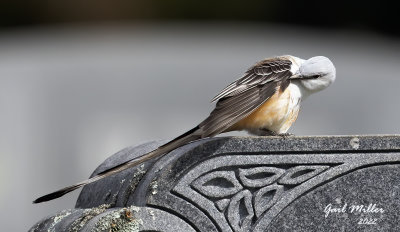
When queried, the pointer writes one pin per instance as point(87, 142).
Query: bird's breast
point(277, 114)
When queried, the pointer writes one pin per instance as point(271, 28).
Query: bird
point(265, 101)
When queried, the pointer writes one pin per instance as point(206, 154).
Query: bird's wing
point(246, 94)
point(235, 102)
point(262, 72)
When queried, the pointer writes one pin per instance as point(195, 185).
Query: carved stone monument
point(336, 183)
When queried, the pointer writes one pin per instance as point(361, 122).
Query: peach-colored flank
point(277, 114)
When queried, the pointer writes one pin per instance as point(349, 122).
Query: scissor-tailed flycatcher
point(265, 101)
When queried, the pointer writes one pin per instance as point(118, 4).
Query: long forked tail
point(187, 137)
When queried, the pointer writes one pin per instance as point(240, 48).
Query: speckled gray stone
point(378, 185)
point(127, 219)
point(258, 184)
point(116, 189)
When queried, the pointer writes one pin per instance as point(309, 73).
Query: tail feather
point(187, 137)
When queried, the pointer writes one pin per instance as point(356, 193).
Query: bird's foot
point(267, 132)
point(285, 135)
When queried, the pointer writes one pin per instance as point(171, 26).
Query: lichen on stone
point(153, 187)
point(137, 176)
point(87, 215)
point(133, 182)
point(119, 220)
point(56, 219)
point(151, 212)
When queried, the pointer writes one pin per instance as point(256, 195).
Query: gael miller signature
point(369, 212)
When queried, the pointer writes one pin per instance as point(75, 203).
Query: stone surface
point(116, 190)
point(251, 184)
point(103, 218)
point(378, 185)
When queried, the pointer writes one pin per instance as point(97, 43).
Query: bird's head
point(317, 73)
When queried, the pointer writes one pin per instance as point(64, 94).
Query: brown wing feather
point(260, 73)
point(243, 96)
point(235, 102)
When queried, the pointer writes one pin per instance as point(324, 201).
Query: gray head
point(317, 73)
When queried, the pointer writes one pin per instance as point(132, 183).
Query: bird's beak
point(298, 76)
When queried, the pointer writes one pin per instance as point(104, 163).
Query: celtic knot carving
point(244, 194)
point(247, 184)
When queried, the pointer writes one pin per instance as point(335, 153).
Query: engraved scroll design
point(243, 195)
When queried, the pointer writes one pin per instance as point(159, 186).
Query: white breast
point(293, 108)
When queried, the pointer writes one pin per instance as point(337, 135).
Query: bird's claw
point(285, 135)
point(266, 132)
